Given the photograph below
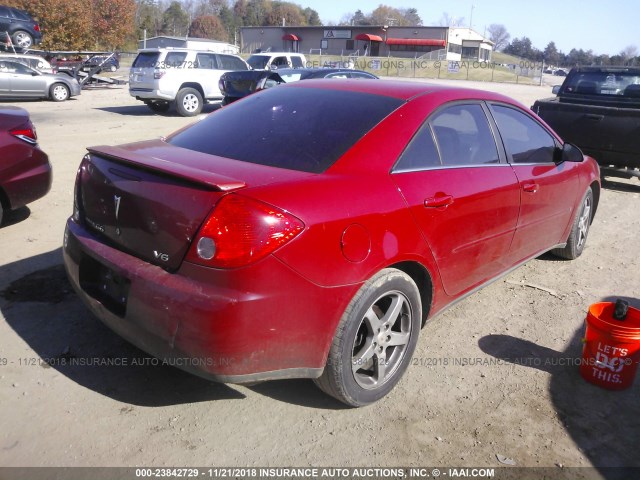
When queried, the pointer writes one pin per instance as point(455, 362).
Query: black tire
point(1, 213)
point(22, 39)
point(579, 230)
point(374, 341)
point(189, 102)
point(160, 107)
point(59, 92)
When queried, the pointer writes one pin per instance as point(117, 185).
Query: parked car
point(598, 109)
point(19, 81)
point(310, 230)
point(276, 60)
point(25, 171)
point(34, 61)
point(23, 29)
point(187, 78)
point(560, 73)
point(236, 85)
point(109, 63)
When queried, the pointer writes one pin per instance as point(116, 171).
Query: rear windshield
point(604, 83)
point(146, 60)
point(305, 129)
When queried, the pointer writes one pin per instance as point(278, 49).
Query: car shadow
point(142, 110)
point(619, 185)
point(40, 305)
point(602, 423)
point(12, 217)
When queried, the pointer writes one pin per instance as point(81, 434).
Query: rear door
point(548, 189)
point(464, 197)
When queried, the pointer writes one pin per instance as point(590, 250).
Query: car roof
point(401, 90)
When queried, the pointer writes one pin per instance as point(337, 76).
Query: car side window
point(280, 62)
point(296, 62)
point(463, 136)
point(525, 139)
point(206, 61)
point(420, 154)
point(175, 59)
point(338, 75)
point(227, 62)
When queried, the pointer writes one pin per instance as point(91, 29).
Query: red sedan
point(310, 230)
point(25, 171)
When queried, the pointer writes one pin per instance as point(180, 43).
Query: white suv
point(161, 76)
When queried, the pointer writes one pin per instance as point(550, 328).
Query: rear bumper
point(29, 180)
point(233, 326)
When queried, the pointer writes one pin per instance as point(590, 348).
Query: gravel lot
point(462, 403)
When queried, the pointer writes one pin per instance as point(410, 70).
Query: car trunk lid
point(149, 199)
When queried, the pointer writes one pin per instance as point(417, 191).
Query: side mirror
point(556, 89)
point(571, 153)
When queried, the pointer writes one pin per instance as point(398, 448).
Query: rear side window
point(206, 61)
point(296, 62)
point(175, 59)
point(227, 62)
point(525, 139)
point(20, 15)
point(304, 129)
point(146, 60)
point(420, 154)
point(4, 11)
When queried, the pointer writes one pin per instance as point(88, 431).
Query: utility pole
point(471, 18)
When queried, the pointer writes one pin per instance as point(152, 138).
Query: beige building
point(437, 43)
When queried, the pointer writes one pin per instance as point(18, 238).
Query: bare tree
point(629, 53)
point(498, 35)
point(450, 21)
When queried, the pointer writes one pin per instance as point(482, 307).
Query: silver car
point(19, 81)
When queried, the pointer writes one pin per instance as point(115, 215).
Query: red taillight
point(241, 231)
point(26, 132)
point(36, 27)
point(158, 74)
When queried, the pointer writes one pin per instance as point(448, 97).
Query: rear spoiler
point(212, 180)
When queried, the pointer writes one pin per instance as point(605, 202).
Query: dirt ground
point(494, 379)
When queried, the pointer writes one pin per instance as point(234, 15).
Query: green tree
point(312, 17)
point(551, 54)
point(359, 18)
point(175, 21)
point(411, 16)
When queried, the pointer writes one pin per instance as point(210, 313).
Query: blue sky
point(604, 27)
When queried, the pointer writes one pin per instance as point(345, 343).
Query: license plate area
point(104, 285)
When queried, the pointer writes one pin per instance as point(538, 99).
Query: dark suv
point(20, 26)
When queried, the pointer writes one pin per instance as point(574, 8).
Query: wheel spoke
point(394, 311)
point(381, 368)
point(372, 320)
point(363, 358)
